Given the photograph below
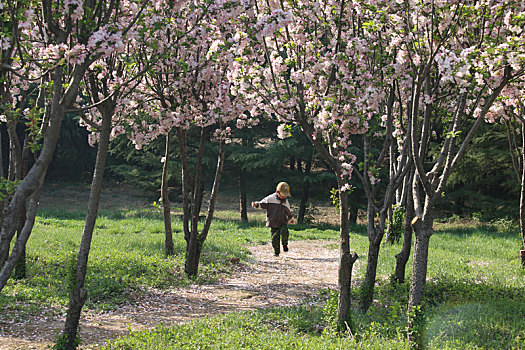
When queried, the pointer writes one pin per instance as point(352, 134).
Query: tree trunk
point(164, 193)
point(78, 294)
point(346, 263)
point(390, 217)
point(1, 156)
point(306, 192)
point(197, 240)
point(243, 206)
point(31, 182)
point(422, 232)
point(15, 174)
point(303, 203)
point(522, 197)
point(375, 237)
point(353, 214)
point(186, 184)
point(15, 152)
point(346, 260)
point(23, 237)
point(367, 290)
point(193, 248)
point(20, 267)
point(403, 256)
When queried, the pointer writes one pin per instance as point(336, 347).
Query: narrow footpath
point(265, 281)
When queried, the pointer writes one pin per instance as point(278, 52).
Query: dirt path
point(267, 281)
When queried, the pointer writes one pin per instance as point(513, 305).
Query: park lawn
point(475, 292)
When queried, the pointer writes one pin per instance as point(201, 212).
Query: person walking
point(278, 215)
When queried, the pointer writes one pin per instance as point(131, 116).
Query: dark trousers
point(279, 234)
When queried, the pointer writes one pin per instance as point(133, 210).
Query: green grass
point(285, 328)
point(475, 292)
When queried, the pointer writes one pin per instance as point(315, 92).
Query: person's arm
point(263, 204)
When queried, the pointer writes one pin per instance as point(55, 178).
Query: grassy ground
point(475, 292)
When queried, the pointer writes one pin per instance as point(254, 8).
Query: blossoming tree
point(453, 61)
point(188, 91)
point(316, 65)
point(56, 43)
point(50, 50)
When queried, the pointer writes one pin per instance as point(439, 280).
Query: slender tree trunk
point(15, 174)
point(214, 192)
point(354, 210)
point(23, 237)
point(422, 231)
point(197, 240)
point(389, 227)
point(522, 196)
point(303, 203)
point(346, 263)
point(193, 248)
point(346, 260)
point(186, 184)
point(1, 156)
point(164, 192)
point(375, 236)
point(367, 290)
point(15, 152)
point(243, 202)
point(31, 182)
point(78, 294)
point(403, 256)
point(20, 267)
point(306, 192)
point(243, 206)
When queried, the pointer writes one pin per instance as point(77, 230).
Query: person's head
point(283, 190)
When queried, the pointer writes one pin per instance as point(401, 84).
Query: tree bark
point(15, 152)
point(522, 197)
point(78, 294)
point(20, 267)
point(23, 237)
point(243, 206)
point(193, 248)
point(197, 240)
point(306, 192)
point(389, 218)
point(403, 256)
point(164, 192)
point(354, 210)
point(31, 182)
point(1, 156)
point(186, 184)
point(346, 263)
point(214, 192)
point(375, 236)
point(346, 259)
point(422, 231)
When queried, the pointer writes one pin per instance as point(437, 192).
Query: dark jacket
point(278, 211)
